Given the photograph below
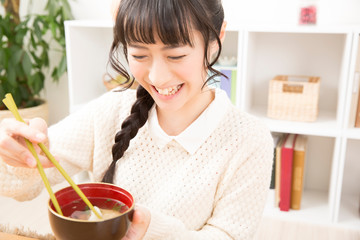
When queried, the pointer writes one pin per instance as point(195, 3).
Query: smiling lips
point(169, 91)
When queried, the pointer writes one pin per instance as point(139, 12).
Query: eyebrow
point(166, 47)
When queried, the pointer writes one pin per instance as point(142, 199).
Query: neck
point(173, 123)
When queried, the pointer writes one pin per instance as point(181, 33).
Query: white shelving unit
point(348, 184)
point(331, 183)
point(87, 46)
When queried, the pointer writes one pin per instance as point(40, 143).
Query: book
point(287, 151)
point(357, 117)
point(354, 100)
point(278, 169)
point(276, 138)
point(298, 171)
point(225, 83)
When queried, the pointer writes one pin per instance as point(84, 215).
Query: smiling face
point(173, 74)
point(168, 45)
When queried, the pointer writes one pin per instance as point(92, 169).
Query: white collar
point(195, 134)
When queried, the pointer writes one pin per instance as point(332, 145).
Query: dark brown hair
point(172, 21)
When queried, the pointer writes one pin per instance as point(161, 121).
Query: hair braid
point(129, 128)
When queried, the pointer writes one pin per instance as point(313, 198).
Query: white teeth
point(168, 91)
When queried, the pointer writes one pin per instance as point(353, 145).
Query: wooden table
point(6, 236)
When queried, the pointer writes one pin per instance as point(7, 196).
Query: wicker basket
point(294, 98)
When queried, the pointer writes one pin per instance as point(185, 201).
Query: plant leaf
point(24, 92)
point(2, 92)
point(11, 75)
point(62, 67)
point(67, 10)
point(26, 64)
point(19, 37)
point(51, 7)
point(17, 97)
point(2, 58)
point(16, 57)
point(37, 29)
point(38, 82)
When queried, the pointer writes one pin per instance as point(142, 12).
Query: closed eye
point(138, 57)
point(176, 57)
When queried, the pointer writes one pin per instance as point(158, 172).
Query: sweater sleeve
point(240, 200)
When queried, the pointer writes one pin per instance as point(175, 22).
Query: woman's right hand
point(13, 149)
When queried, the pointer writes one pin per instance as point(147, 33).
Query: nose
point(159, 73)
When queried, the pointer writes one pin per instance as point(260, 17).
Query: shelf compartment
point(314, 208)
point(349, 214)
point(315, 198)
point(230, 46)
point(325, 125)
point(287, 53)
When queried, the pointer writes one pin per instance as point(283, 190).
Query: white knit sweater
point(217, 192)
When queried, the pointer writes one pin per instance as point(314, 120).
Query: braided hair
point(129, 128)
point(172, 21)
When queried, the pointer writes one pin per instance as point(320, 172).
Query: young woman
point(198, 167)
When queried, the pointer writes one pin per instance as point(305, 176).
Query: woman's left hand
point(139, 224)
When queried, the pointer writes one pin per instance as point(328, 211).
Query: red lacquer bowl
point(66, 228)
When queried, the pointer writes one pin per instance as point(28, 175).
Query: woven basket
point(294, 98)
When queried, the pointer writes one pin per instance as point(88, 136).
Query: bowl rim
point(91, 221)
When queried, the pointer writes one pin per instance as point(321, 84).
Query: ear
point(223, 32)
point(214, 45)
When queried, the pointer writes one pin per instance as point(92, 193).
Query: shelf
point(349, 211)
point(314, 208)
point(222, 67)
point(87, 45)
point(353, 133)
point(300, 29)
point(350, 191)
point(296, 53)
point(325, 125)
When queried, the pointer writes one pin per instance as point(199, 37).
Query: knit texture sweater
point(217, 192)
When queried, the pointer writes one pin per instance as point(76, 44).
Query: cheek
point(192, 68)
point(137, 69)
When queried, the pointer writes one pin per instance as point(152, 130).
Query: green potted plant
point(25, 47)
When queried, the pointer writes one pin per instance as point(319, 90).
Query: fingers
point(9, 160)
point(38, 123)
point(139, 224)
point(16, 128)
point(13, 149)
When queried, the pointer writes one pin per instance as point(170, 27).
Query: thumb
point(139, 224)
point(39, 124)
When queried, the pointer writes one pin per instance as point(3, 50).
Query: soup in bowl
point(79, 223)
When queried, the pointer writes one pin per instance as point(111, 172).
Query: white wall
point(282, 12)
point(287, 11)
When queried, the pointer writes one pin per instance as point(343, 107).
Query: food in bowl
point(107, 207)
point(110, 199)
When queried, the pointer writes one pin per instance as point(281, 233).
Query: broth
point(109, 208)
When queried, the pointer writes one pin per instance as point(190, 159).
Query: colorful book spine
point(278, 170)
point(276, 139)
point(287, 152)
point(357, 117)
point(354, 105)
point(298, 172)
